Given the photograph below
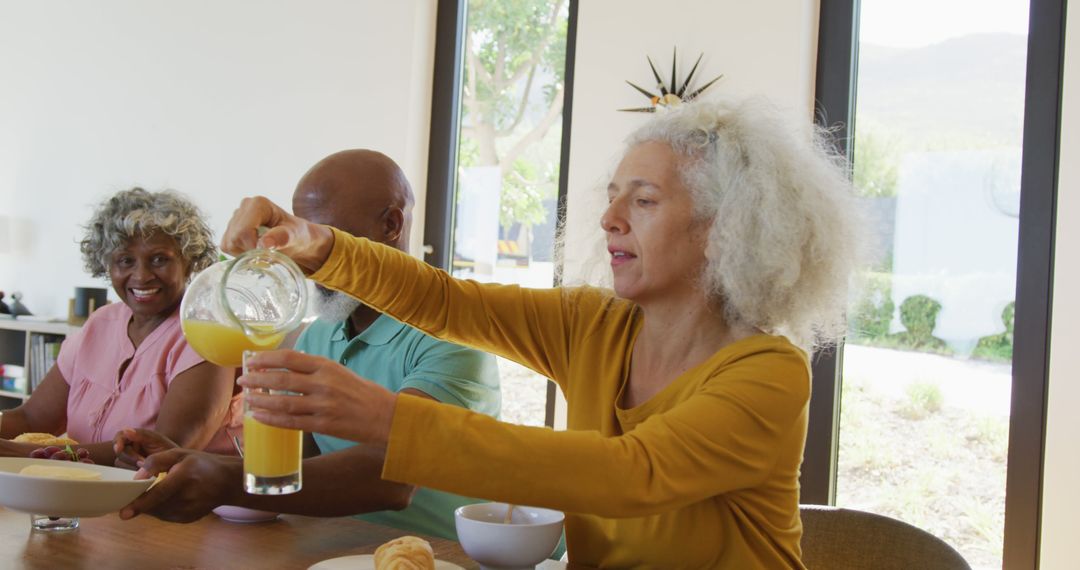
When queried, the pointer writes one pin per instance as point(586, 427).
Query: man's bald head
point(362, 192)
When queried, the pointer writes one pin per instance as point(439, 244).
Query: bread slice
point(60, 472)
point(44, 439)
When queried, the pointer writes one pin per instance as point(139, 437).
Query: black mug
point(83, 297)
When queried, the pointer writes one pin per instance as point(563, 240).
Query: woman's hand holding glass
point(332, 399)
point(308, 244)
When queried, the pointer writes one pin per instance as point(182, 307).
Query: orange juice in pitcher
point(224, 345)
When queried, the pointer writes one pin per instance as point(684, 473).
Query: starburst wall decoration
point(673, 96)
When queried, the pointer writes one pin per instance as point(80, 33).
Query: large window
point(935, 413)
point(503, 184)
point(927, 366)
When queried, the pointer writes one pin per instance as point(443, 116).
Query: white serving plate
point(66, 497)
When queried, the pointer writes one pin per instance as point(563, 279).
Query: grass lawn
point(924, 438)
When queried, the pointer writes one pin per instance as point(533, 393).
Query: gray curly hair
point(785, 232)
point(136, 212)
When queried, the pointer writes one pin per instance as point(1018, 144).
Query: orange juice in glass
point(272, 455)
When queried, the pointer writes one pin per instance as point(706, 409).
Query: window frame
point(443, 139)
point(834, 107)
point(835, 102)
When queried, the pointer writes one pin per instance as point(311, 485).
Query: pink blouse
point(101, 402)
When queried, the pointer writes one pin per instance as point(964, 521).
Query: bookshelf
point(30, 346)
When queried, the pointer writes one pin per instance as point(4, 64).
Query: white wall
point(1061, 496)
point(766, 48)
point(218, 100)
point(985, 185)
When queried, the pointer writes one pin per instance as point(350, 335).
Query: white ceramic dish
point(367, 562)
point(66, 497)
point(528, 540)
point(244, 515)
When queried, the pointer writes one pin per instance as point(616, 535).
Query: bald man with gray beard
point(364, 193)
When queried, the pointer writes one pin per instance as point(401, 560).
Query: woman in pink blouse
point(130, 365)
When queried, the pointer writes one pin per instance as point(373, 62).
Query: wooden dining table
point(104, 543)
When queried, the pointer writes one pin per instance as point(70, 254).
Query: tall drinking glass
point(272, 455)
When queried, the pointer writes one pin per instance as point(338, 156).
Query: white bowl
point(66, 497)
point(243, 514)
point(531, 536)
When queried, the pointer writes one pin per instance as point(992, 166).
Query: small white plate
point(244, 515)
point(367, 562)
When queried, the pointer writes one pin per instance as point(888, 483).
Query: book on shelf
point(13, 378)
point(12, 371)
point(40, 319)
point(36, 360)
point(44, 349)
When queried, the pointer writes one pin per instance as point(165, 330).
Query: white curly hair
point(138, 213)
point(785, 232)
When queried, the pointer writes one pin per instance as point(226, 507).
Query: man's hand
point(132, 446)
point(196, 483)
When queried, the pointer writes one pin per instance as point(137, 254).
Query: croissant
point(44, 439)
point(405, 553)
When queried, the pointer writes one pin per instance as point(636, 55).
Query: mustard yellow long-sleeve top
point(703, 475)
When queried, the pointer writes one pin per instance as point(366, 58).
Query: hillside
point(967, 91)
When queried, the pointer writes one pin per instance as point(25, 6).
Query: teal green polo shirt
point(398, 356)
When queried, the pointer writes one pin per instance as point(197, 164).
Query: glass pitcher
point(247, 303)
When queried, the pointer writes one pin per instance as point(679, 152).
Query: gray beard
point(334, 306)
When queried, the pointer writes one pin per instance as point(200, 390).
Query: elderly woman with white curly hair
point(730, 236)
point(129, 365)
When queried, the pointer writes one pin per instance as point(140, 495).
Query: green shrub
point(923, 398)
point(872, 313)
point(991, 431)
point(918, 314)
point(876, 171)
point(998, 347)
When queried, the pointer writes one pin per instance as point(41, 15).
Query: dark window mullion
point(834, 109)
point(564, 167)
point(443, 143)
point(1034, 282)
